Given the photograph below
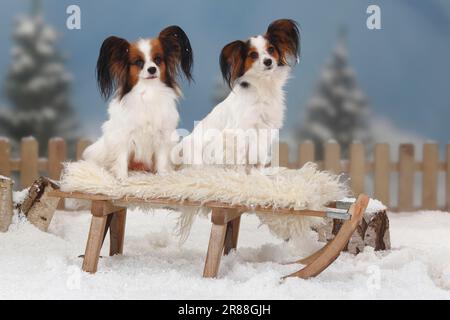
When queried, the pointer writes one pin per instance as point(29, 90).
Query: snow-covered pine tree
point(338, 110)
point(37, 84)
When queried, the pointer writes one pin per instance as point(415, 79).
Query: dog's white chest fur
point(140, 125)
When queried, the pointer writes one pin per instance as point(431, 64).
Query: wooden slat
point(406, 177)
point(357, 167)
point(284, 154)
point(430, 176)
point(56, 155)
point(332, 157)
point(29, 161)
point(448, 179)
point(382, 171)
point(5, 154)
point(43, 164)
point(171, 202)
point(82, 144)
point(306, 152)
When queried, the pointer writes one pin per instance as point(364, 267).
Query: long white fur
point(143, 122)
point(305, 188)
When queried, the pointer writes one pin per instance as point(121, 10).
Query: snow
point(39, 265)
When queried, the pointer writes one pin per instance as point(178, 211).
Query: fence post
point(406, 177)
point(430, 176)
point(29, 150)
point(5, 154)
point(332, 157)
point(448, 177)
point(56, 156)
point(305, 153)
point(382, 172)
point(82, 144)
point(357, 167)
point(284, 154)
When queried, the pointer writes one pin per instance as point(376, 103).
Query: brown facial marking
point(272, 50)
point(157, 56)
point(136, 62)
point(252, 56)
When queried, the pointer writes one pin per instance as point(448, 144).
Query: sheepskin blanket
point(305, 188)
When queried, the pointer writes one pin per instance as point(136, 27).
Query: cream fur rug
point(305, 188)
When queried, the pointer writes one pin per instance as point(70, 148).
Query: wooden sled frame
point(110, 214)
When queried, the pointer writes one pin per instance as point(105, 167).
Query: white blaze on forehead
point(259, 42)
point(145, 47)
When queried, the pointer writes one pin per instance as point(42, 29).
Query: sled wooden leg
point(95, 238)
point(117, 232)
point(231, 236)
point(104, 215)
point(320, 260)
point(220, 218)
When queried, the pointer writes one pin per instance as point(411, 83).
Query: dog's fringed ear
point(285, 36)
point(177, 50)
point(112, 65)
point(232, 60)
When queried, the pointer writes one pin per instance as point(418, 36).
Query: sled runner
point(109, 214)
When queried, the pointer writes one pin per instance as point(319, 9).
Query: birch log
point(6, 203)
point(38, 207)
point(373, 231)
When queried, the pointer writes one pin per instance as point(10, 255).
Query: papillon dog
point(142, 76)
point(256, 71)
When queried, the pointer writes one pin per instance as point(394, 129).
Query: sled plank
point(171, 202)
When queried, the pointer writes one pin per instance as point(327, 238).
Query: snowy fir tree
point(37, 84)
point(338, 110)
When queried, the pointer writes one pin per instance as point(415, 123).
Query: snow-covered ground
point(39, 265)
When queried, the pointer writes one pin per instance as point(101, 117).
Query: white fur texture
point(305, 188)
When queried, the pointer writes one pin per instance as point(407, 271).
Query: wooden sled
point(110, 214)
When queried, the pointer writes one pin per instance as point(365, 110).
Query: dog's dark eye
point(253, 55)
point(139, 63)
point(271, 50)
point(157, 60)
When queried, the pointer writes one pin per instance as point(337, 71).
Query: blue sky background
point(404, 68)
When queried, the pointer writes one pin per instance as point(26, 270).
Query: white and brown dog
point(143, 116)
point(256, 71)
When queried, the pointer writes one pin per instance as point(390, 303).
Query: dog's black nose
point(267, 62)
point(151, 70)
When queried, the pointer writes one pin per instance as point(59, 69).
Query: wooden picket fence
point(358, 167)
